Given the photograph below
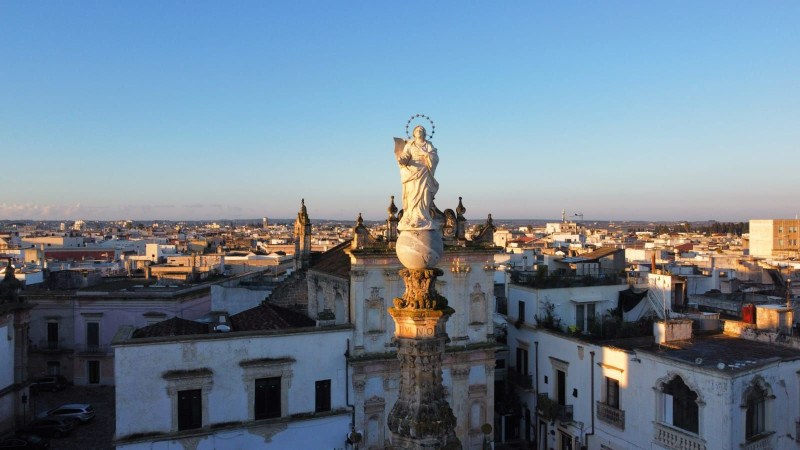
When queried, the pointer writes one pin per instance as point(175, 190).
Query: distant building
point(774, 238)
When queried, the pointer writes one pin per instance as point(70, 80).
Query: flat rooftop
point(723, 353)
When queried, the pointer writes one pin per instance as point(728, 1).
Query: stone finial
point(359, 221)
point(460, 210)
point(392, 209)
point(302, 216)
point(10, 285)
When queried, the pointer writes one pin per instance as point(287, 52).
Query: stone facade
point(468, 363)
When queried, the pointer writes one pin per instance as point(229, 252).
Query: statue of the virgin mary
point(417, 160)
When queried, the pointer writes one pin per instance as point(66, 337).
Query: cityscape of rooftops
point(369, 225)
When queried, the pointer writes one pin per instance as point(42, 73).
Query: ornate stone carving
point(460, 373)
point(358, 275)
point(421, 291)
point(359, 385)
point(458, 270)
point(421, 418)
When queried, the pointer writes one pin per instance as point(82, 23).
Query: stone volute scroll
point(421, 418)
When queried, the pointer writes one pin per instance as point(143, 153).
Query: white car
point(82, 412)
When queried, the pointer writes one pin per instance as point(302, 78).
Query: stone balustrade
point(611, 415)
point(670, 437)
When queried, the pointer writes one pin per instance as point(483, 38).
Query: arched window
point(756, 412)
point(680, 407)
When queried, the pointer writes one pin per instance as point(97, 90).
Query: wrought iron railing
point(520, 379)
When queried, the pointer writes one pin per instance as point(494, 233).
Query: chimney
point(653, 261)
point(672, 330)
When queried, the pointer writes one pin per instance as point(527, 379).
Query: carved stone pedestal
point(421, 418)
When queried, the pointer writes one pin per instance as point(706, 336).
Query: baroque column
point(421, 417)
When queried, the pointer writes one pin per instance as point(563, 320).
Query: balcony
point(93, 349)
point(553, 411)
point(521, 380)
point(670, 437)
point(49, 346)
point(564, 413)
point(611, 415)
point(761, 442)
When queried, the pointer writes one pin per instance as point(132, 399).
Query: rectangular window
point(52, 335)
point(53, 368)
point(268, 398)
point(522, 361)
point(93, 371)
point(584, 316)
point(612, 392)
point(92, 335)
point(323, 396)
point(780, 242)
point(190, 409)
point(521, 314)
point(561, 387)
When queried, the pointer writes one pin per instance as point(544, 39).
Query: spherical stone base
point(419, 249)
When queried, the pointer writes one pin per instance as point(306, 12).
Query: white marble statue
point(417, 160)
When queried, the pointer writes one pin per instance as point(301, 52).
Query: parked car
point(51, 426)
point(50, 383)
point(83, 412)
point(22, 441)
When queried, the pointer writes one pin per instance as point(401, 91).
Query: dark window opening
point(522, 361)
point(756, 405)
point(92, 335)
point(52, 334)
point(612, 392)
point(190, 409)
point(268, 398)
point(93, 367)
point(323, 396)
point(521, 315)
point(684, 405)
point(561, 387)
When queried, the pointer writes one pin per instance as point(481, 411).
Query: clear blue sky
point(193, 110)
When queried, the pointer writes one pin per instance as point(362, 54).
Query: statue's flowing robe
point(419, 186)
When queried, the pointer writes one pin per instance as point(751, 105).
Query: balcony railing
point(565, 413)
point(763, 442)
point(552, 410)
point(611, 415)
point(48, 346)
point(93, 349)
point(670, 437)
point(519, 379)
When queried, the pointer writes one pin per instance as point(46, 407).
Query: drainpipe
point(347, 388)
point(536, 399)
point(591, 402)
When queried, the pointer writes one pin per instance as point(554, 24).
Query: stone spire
point(461, 221)
point(302, 237)
point(391, 222)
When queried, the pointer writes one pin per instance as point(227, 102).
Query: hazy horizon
point(672, 111)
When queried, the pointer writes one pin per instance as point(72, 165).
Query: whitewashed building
point(276, 381)
point(670, 390)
